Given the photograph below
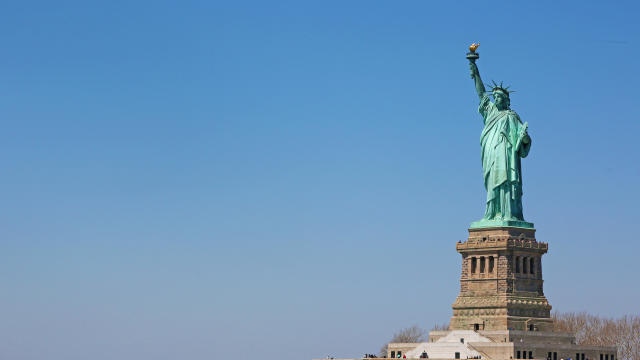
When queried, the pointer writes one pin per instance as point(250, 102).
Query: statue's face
point(500, 99)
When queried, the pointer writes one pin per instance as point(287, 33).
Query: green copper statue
point(504, 141)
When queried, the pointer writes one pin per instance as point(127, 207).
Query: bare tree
point(623, 332)
point(413, 334)
point(440, 327)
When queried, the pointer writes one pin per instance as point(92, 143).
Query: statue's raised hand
point(474, 69)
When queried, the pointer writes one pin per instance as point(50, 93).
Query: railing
point(482, 353)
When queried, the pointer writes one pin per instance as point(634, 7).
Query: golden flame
point(473, 47)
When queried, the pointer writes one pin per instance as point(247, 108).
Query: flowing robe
point(502, 147)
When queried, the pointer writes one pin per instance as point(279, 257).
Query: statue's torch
point(472, 55)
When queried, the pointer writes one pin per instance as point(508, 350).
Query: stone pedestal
point(501, 282)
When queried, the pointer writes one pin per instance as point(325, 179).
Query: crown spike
point(501, 87)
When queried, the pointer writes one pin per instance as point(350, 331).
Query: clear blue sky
point(189, 180)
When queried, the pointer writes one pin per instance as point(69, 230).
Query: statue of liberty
point(504, 140)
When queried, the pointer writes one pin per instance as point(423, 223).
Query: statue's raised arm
point(475, 73)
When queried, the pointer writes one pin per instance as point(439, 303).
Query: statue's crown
point(496, 87)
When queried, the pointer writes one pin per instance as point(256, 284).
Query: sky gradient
point(195, 180)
